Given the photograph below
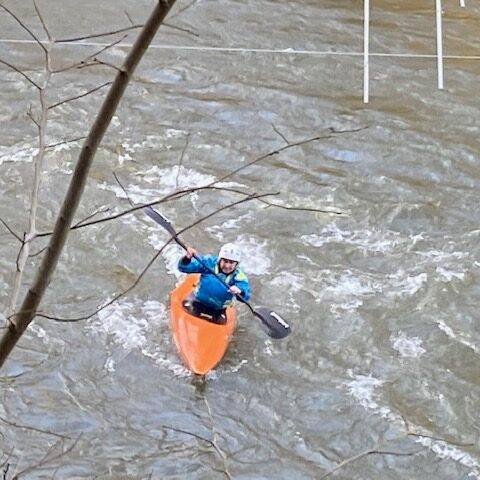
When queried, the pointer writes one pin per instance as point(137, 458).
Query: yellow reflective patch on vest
point(240, 276)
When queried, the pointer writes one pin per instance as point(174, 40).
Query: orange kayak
point(201, 344)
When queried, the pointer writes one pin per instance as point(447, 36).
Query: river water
point(380, 290)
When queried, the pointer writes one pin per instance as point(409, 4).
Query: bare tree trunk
point(20, 321)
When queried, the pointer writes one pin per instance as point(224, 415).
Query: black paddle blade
point(272, 323)
point(161, 220)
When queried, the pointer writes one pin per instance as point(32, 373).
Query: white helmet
point(230, 251)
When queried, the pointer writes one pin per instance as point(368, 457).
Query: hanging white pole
point(462, 3)
point(366, 33)
point(439, 44)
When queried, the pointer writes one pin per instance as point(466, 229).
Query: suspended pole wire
point(366, 36)
point(438, 5)
point(283, 51)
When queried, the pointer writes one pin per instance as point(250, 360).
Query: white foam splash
point(362, 388)
point(371, 241)
point(407, 346)
point(128, 322)
point(255, 258)
point(18, 153)
point(459, 337)
point(448, 275)
point(168, 179)
point(292, 284)
point(405, 284)
point(348, 289)
point(449, 452)
point(234, 223)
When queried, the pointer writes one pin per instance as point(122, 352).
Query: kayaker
point(211, 297)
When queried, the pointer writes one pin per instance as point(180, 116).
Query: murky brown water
point(382, 299)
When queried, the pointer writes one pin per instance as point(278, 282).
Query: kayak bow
point(201, 344)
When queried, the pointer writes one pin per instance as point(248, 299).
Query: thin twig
point(24, 75)
point(63, 142)
point(129, 18)
point(42, 21)
point(214, 436)
point(24, 27)
point(71, 99)
point(93, 56)
point(373, 451)
point(96, 35)
point(123, 188)
point(80, 222)
point(279, 133)
point(96, 62)
point(33, 119)
point(185, 30)
point(212, 443)
point(10, 230)
point(180, 163)
point(302, 209)
point(33, 429)
point(410, 433)
point(300, 143)
point(181, 10)
point(45, 460)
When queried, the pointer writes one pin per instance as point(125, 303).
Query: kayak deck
point(200, 343)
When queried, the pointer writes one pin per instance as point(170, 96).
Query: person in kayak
point(210, 297)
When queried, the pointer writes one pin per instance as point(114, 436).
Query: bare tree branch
point(410, 433)
point(24, 251)
point(33, 119)
point(123, 188)
point(222, 454)
point(181, 29)
point(76, 97)
point(181, 10)
point(33, 429)
point(280, 134)
point(42, 21)
point(300, 143)
point(302, 209)
point(129, 18)
point(63, 142)
point(24, 27)
point(150, 263)
point(10, 230)
point(85, 62)
point(212, 443)
point(372, 451)
point(96, 62)
point(24, 75)
point(97, 35)
point(46, 459)
point(180, 163)
point(33, 298)
point(171, 196)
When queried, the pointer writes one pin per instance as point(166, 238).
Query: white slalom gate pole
point(366, 33)
point(438, 5)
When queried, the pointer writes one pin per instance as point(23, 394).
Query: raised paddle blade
point(272, 323)
point(165, 223)
point(161, 220)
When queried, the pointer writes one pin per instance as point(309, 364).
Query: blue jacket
point(210, 290)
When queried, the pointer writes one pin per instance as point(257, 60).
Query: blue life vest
point(210, 291)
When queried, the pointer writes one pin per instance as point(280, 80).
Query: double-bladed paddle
point(272, 323)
